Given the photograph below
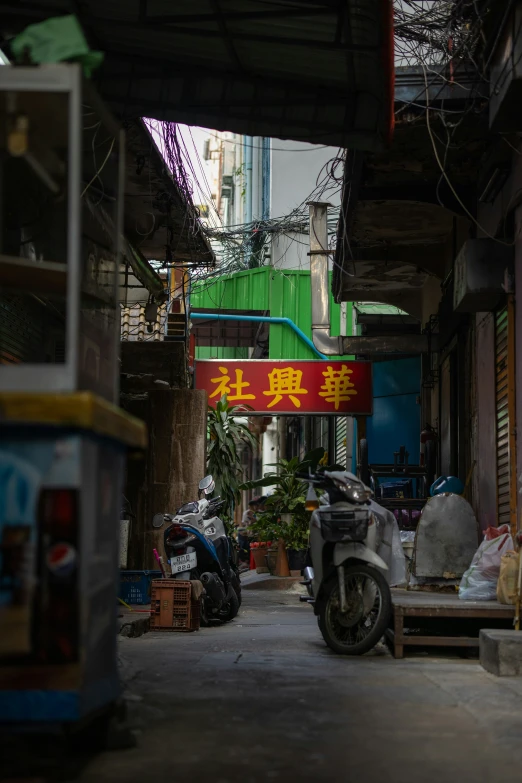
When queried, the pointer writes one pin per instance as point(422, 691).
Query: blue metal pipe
point(261, 319)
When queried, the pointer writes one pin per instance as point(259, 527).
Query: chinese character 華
point(337, 386)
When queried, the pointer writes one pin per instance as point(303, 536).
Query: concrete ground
point(263, 699)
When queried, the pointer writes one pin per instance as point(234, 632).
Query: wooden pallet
point(436, 608)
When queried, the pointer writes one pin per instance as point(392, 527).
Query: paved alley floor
point(263, 699)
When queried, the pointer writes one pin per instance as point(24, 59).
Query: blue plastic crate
point(135, 586)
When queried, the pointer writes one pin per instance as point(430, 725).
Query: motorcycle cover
point(390, 546)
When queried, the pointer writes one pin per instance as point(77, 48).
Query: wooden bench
point(434, 609)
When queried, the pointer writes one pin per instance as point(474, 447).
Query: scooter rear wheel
point(355, 631)
point(231, 608)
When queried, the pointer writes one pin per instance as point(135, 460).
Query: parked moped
point(198, 548)
point(347, 582)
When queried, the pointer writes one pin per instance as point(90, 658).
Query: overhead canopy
point(317, 71)
point(400, 220)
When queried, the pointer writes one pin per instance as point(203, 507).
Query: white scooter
point(347, 583)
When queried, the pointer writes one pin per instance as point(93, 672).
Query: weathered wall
point(153, 388)
point(177, 424)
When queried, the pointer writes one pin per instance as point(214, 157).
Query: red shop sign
point(276, 387)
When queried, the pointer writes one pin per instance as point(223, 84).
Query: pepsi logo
point(61, 559)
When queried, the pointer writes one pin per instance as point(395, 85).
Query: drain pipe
point(260, 319)
point(323, 340)
point(332, 346)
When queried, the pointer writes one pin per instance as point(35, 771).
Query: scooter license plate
point(183, 562)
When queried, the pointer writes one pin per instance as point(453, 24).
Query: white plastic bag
point(479, 583)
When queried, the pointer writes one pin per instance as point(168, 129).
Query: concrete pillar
point(177, 456)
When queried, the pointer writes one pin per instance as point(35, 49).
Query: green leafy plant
point(223, 456)
point(288, 498)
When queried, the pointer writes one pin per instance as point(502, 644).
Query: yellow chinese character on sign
point(225, 387)
point(337, 385)
point(287, 381)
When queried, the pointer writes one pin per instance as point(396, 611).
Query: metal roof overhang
point(399, 219)
point(157, 213)
point(309, 70)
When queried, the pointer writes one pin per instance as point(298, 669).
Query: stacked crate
point(172, 606)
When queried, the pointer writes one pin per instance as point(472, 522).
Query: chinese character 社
point(337, 385)
point(225, 387)
point(285, 382)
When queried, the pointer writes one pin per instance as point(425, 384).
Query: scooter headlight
point(354, 491)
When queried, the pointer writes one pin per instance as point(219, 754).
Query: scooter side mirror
point(207, 486)
point(158, 520)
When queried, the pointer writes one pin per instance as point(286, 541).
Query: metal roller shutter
point(340, 440)
point(505, 415)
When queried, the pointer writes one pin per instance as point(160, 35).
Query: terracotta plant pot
point(260, 556)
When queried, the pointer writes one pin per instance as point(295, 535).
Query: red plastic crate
point(172, 607)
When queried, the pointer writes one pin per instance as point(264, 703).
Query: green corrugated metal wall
point(280, 292)
point(248, 290)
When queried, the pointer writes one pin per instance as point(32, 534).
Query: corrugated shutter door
point(502, 415)
point(340, 440)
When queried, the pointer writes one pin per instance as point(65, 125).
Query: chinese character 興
point(285, 382)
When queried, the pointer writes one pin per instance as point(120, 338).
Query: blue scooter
point(198, 548)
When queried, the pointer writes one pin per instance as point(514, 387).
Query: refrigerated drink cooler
point(62, 461)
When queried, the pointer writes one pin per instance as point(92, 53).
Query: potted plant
point(260, 552)
point(223, 456)
point(285, 516)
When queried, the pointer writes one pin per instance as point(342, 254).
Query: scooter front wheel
point(368, 610)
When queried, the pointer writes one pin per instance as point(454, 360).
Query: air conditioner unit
point(479, 274)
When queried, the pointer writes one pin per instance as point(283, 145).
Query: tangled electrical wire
point(432, 31)
point(246, 245)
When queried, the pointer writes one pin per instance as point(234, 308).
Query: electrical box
point(506, 77)
point(479, 274)
point(61, 191)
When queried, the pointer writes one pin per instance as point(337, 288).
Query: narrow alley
point(260, 341)
point(262, 698)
